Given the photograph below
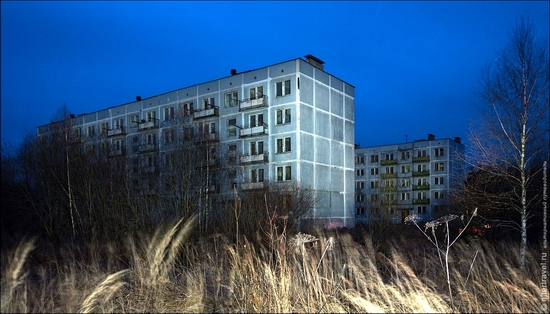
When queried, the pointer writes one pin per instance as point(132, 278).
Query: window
point(360, 185)
point(405, 155)
point(119, 123)
point(439, 152)
point(77, 132)
point(438, 180)
point(169, 159)
point(188, 133)
point(283, 116)
point(118, 144)
point(421, 153)
point(257, 148)
point(231, 132)
point(169, 136)
point(374, 198)
point(257, 92)
point(439, 166)
point(232, 148)
point(359, 172)
point(421, 195)
point(373, 158)
point(257, 175)
point(187, 109)
point(207, 128)
point(151, 161)
point(405, 196)
point(422, 181)
point(232, 122)
point(373, 171)
point(389, 156)
point(284, 173)
point(91, 131)
point(405, 169)
point(231, 99)
point(389, 169)
point(256, 120)
point(282, 88)
point(374, 184)
point(389, 183)
point(359, 198)
point(169, 114)
point(405, 182)
point(283, 145)
point(151, 116)
point(421, 167)
point(360, 159)
point(421, 209)
point(208, 103)
point(360, 211)
point(151, 139)
point(104, 127)
point(134, 120)
point(439, 195)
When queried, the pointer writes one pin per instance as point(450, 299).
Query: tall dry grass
point(328, 272)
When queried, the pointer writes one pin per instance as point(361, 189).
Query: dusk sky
point(415, 65)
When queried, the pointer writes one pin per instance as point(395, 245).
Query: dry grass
point(327, 273)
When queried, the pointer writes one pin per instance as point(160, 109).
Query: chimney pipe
point(138, 98)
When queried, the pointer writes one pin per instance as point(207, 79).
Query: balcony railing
point(421, 187)
point(421, 159)
point(252, 131)
point(423, 173)
point(388, 175)
point(148, 124)
point(252, 185)
point(148, 147)
point(388, 162)
point(207, 137)
point(246, 159)
point(422, 201)
point(198, 114)
point(246, 104)
point(117, 152)
point(117, 131)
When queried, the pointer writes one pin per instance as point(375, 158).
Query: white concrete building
point(394, 181)
point(287, 122)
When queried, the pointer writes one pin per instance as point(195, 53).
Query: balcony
point(423, 201)
point(253, 103)
point(147, 124)
point(207, 137)
point(252, 185)
point(424, 173)
point(248, 159)
point(389, 175)
point(117, 131)
point(210, 112)
point(253, 131)
point(117, 152)
point(148, 147)
point(421, 159)
point(388, 162)
point(421, 187)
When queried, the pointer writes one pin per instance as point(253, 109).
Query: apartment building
point(290, 122)
point(394, 181)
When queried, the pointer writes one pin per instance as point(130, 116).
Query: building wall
point(321, 131)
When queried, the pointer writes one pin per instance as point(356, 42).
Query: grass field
point(325, 272)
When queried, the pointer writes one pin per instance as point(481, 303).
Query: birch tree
point(512, 134)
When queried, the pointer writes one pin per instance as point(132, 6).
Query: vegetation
point(325, 272)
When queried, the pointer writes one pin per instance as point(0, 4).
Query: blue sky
point(415, 65)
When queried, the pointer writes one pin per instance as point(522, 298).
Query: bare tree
point(513, 130)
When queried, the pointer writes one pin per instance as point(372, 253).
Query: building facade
point(394, 181)
point(290, 122)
